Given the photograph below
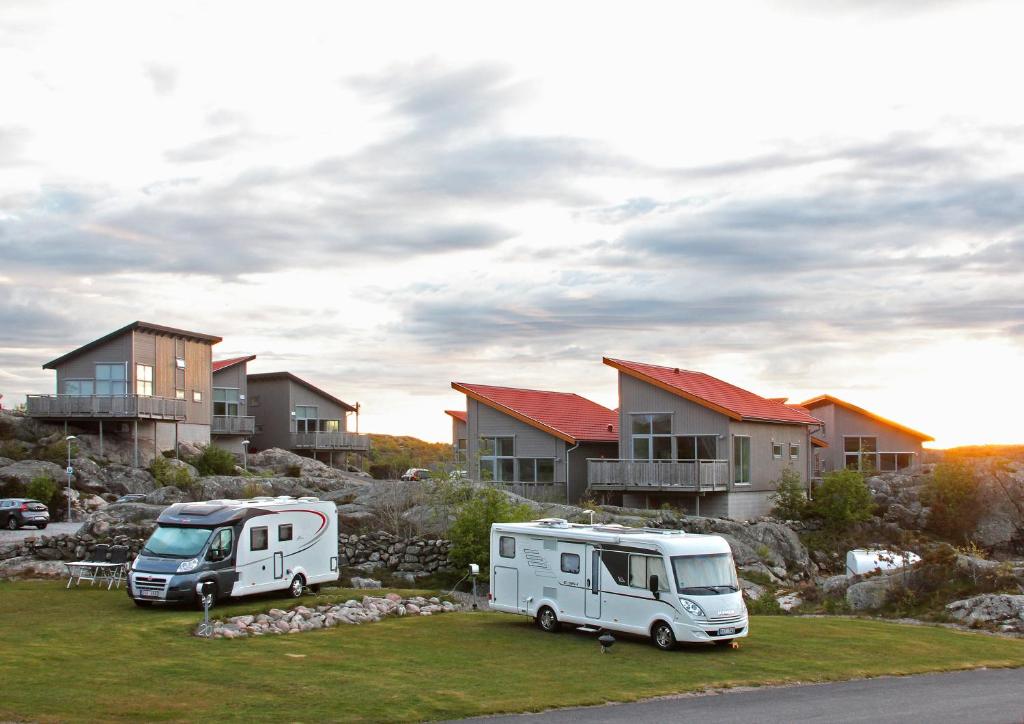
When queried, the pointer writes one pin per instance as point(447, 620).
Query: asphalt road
point(6, 536)
point(980, 696)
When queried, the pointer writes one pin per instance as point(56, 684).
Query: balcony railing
point(233, 425)
point(330, 441)
point(685, 475)
point(106, 406)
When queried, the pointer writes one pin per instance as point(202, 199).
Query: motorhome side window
point(570, 563)
point(641, 568)
point(507, 546)
point(220, 548)
point(258, 539)
point(617, 564)
point(284, 532)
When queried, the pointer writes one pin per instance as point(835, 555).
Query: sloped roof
point(459, 415)
point(223, 364)
point(830, 399)
point(145, 327)
point(565, 415)
point(713, 393)
point(266, 376)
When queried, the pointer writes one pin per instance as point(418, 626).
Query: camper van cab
point(242, 546)
point(666, 584)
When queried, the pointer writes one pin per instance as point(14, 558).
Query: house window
point(284, 532)
point(179, 362)
point(741, 460)
point(860, 452)
point(330, 425)
point(179, 394)
point(79, 388)
point(697, 447)
point(258, 539)
point(651, 436)
point(144, 380)
point(225, 401)
point(496, 459)
point(110, 379)
point(305, 418)
point(536, 470)
point(507, 546)
point(794, 451)
point(570, 563)
point(894, 462)
point(197, 396)
point(777, 450)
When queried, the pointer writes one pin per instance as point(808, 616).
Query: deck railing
point(695, 475)
point(329, 441)
point(106, 406)
point(233, 425)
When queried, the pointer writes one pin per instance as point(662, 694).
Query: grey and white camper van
point(242, 546)
point(667, 584)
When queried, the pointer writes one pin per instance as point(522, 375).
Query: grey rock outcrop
point(24, 471)
point(997, 609)
point(870, 594)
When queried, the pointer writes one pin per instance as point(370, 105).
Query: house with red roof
point(859, 439)
point(230, 425)
point(460, 439)
point(687, 438)
point(536, 442)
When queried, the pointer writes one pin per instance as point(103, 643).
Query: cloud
point(164, 78)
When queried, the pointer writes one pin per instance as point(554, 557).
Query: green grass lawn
point(89, 654)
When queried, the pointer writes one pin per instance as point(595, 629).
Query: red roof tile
point(829, 399)
point(713, 393)
point(459, 415)
point(225, 363)
point(565, 415)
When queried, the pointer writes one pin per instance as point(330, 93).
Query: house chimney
point(676, 370)
point(609, 428)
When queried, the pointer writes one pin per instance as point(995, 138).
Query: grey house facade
point(861, 440)
point(293, 414)
point(231, 427)
point(535, 442)
point(689, 439)
point(460, 439)
point(145, 382)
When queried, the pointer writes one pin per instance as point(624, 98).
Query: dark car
point(16, 512)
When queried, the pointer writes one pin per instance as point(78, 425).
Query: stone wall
point(66, 547)
point(418, 556)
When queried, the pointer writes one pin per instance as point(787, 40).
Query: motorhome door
point(572, 577)
point(592, 606)
point(278, 565)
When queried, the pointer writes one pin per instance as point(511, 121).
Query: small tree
point(215, 460)
point(951, 491)
point(842, 499)
point(42, 488)
point(789, 501)
point(470, 534)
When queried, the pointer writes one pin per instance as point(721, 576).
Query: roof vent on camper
point(201, 509)
point(553, 522)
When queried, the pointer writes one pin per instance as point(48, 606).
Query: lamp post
point(70, 471)
point(245, 455)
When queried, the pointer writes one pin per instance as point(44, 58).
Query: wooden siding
point(688, 418)
point(326, 409)
point(117, 350)
point(269, 404)
point(765, 470)
point(160, 351)
point(578, 465)
point(485, 421)
point(842, 422)
point(458, 431)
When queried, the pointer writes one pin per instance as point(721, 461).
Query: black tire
point(547, 620)
point(142, 604)
point(297, 586)
point(315, 588)
point(12, 523)
point(662, 636)
point(41, 526)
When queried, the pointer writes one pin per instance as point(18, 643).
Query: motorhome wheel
point(298, 583)
point(662, 636)
point(547, 620)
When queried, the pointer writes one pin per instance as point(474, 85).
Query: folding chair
point(118, 565)
point(89, 569)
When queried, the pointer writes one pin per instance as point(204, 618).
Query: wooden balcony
point(118, 407)
point(233, 425)
point(345, 441)
point(677, 475)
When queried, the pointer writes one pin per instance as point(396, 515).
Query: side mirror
point(653, 585)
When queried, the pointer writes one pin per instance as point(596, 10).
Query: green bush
point(42, 488)
point(253, 490)
point(470, 534)
point(842, 499)
point(168, 474)
point(951, 491)
point(56, 452)
point(294, 471)
point(789, 501)
point(215, 460)
point(11, 449)
point(766, 605)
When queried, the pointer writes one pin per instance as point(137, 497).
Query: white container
point(861, 561)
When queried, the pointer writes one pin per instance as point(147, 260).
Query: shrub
point(42, 488)
point(215, 460)
point(470, 534)
point(842, 499)
point(11, 449)
point(294, 471)
point(789, 501)
point(253, 490)
point(952, 493)
point(766, 605)
point(56, 452)
point(167, 474)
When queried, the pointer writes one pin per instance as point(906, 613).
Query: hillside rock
point(1002, 610)
point(134, 520)
point(5, 461)
point(282, 462)
point(166, 496)
point(25, 470)
point(870, 594)
point(31, 567)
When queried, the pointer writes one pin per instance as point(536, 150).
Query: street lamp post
point(70, 471)
point(245, 455)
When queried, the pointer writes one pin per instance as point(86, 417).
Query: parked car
point(16, 512)
point(131, 498)
point(416, 474)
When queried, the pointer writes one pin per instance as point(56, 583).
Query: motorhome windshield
point(705, 575)
point(171, 542)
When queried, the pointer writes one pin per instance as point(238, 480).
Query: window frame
point(266, 538)
point(501, 546)
point(562, 559)
point(776, 450)
point(143, 380)
point(197, 396)
point(494, 461)
point(794, 446)
point(280, 532)
point(738, 460)
point(651, 437)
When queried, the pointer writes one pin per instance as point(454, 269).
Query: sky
point(797, 197)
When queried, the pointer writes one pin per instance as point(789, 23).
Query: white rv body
point(599, 576)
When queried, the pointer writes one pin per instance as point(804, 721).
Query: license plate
point(146, 593)
point(727, 631)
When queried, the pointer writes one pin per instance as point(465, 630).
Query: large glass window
point(225, 401)
point(706, 574)
point(496, 459)
point(536, 470)
point(894, 462)
point(79, 388)
point(740, 460)
point(651, 436)
point(330, 425)
point(697, 447)
point(110, 379)
point(305, 418)
point(641, 568)
point(861, 452)
point(176, 542)
point(144, 380)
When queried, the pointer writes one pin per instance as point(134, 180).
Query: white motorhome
point(666, 584)
point(242, 546)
